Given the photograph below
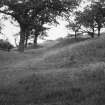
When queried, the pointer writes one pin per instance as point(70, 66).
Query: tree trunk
point(98, 32)
point(16, 43)
point(26, 42)
point(26, 39)
point(92, 35)
point(75, 35)
point(22, 39)
point(35, 40)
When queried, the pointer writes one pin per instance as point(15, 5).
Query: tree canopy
point(92, 17)
point(28, 12)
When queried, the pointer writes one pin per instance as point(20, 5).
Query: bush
point(5, 45)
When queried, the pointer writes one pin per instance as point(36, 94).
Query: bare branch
point(6, 13)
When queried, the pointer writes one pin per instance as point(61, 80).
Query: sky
point(9, 30)
point(58, 31)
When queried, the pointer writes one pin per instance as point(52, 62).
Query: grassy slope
point(72, 74)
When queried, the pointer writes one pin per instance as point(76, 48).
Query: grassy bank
point(72, 74)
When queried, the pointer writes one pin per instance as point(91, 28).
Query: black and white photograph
point(52, 52)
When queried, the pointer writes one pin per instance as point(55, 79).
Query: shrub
point(5, 45)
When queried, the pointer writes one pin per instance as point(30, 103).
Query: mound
point(74, 55)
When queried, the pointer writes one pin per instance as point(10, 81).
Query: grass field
point(67, 73)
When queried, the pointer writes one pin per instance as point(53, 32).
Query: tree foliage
point(26, 12)
point(74, 26)
point(92, 17)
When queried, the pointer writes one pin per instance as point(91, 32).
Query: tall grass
point(68, 75)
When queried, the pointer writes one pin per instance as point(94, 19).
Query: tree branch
point(6, 13)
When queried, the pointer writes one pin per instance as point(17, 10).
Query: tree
point(37, 27)
point(74, 26)
point(39, 31)
point(25, 11)
point(97, 10)
point(87, 19)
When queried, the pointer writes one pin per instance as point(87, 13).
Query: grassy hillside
point(73, 55)
point(65, 74)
